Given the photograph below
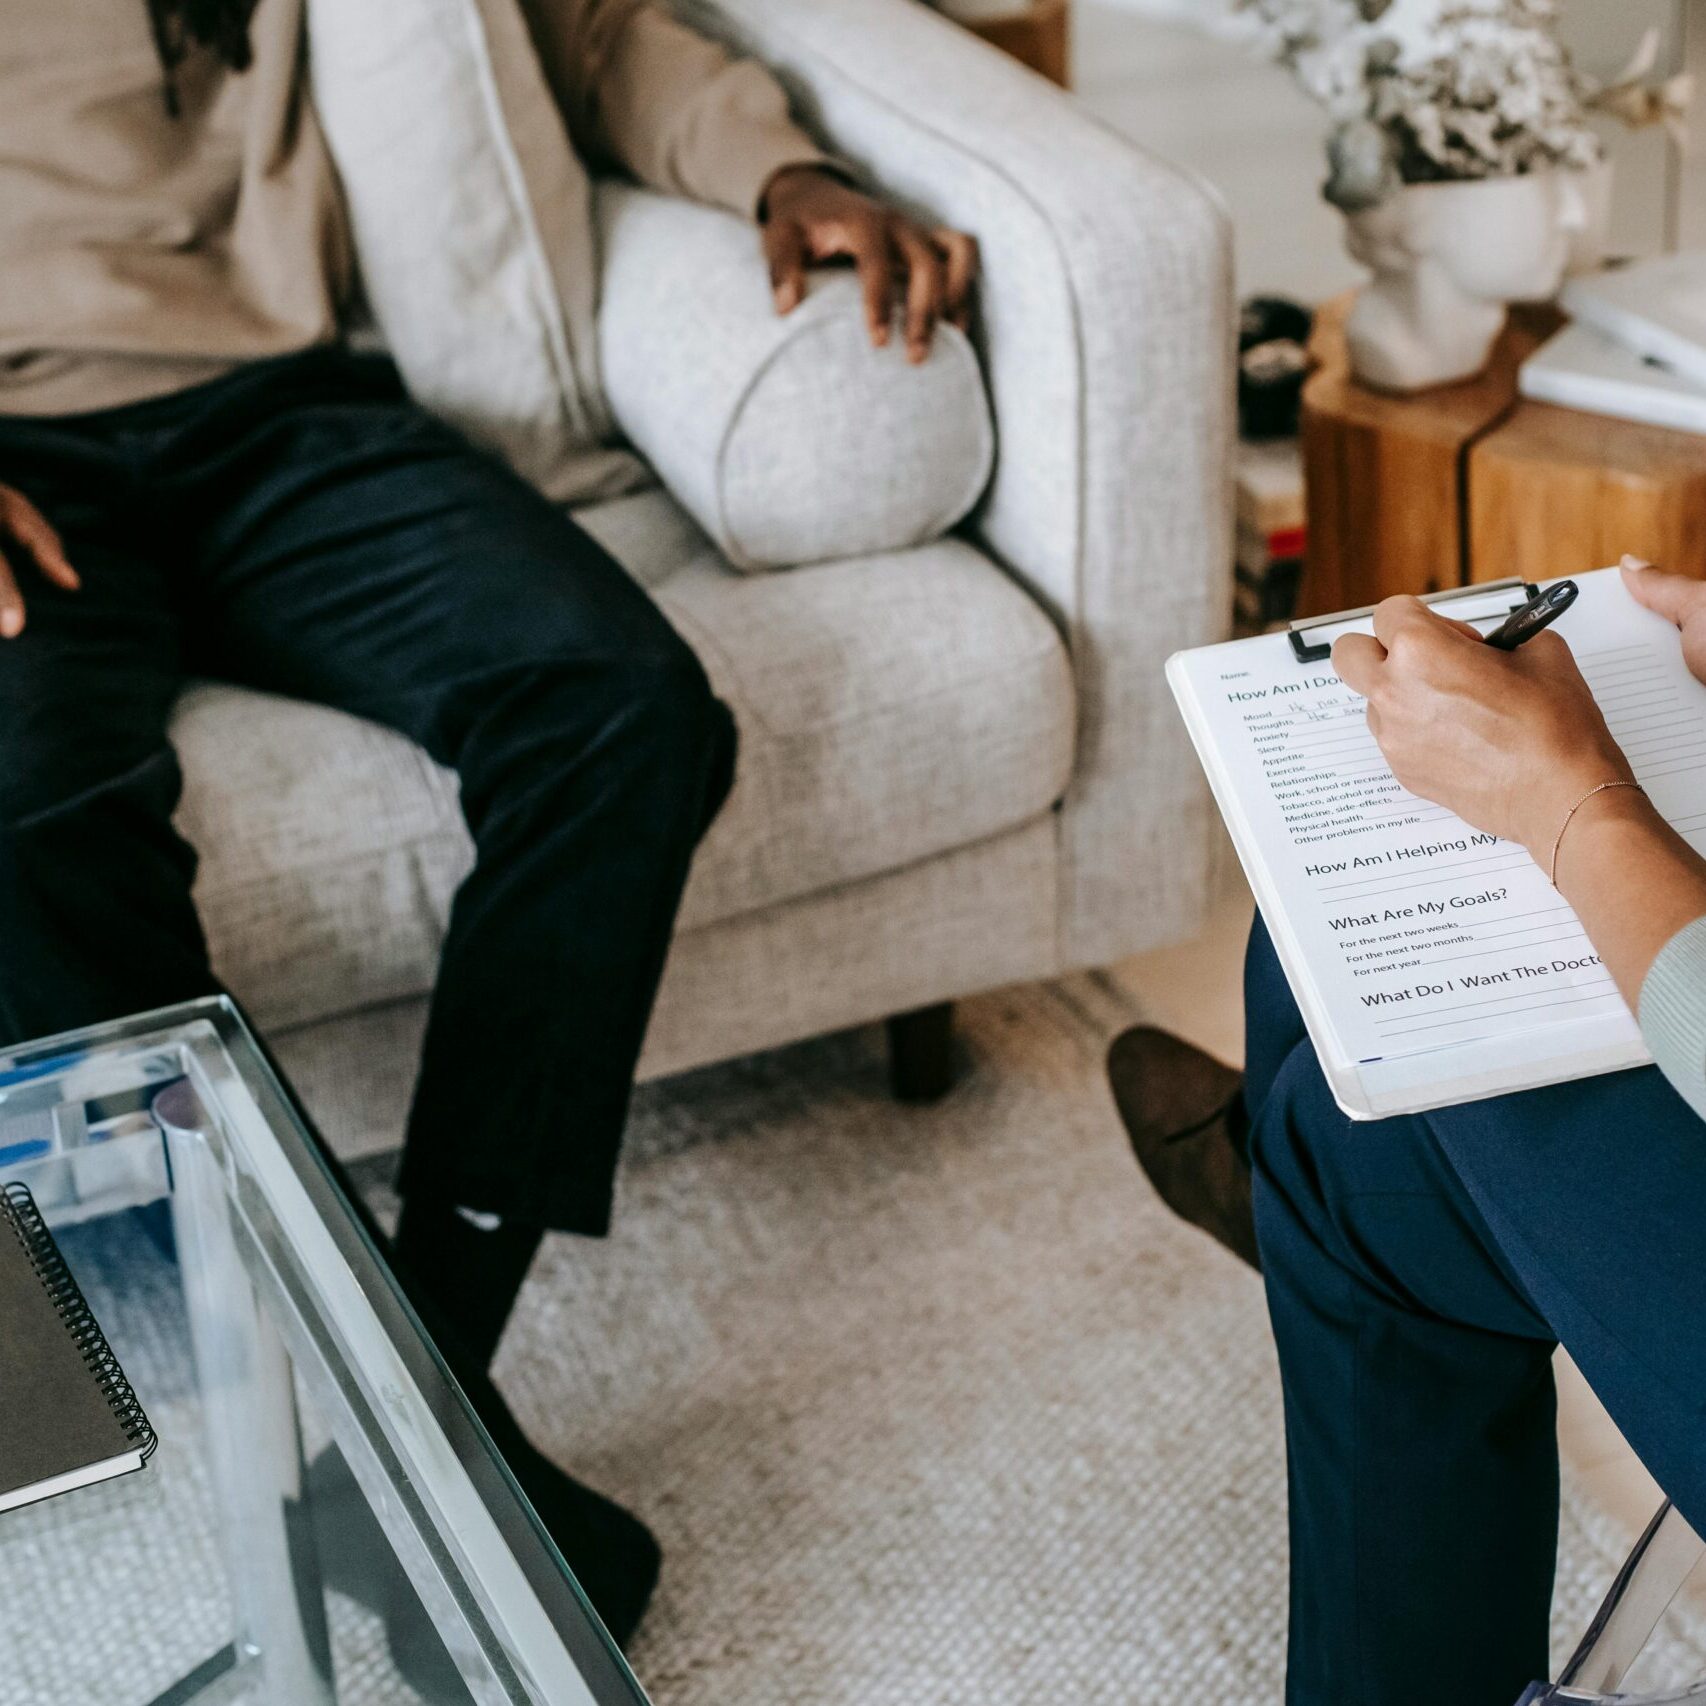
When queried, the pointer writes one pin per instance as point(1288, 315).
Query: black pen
point(1541, 611)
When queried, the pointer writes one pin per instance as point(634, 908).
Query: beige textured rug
point(934, 1405)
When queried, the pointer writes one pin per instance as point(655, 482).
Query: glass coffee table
point(324, 1522)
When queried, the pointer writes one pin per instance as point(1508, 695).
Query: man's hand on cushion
point(810, 216)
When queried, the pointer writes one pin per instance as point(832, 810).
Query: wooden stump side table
point(1557, 492)
point(1472, 482)
point(1035, 32)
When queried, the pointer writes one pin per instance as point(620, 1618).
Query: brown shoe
point(1179, 1106)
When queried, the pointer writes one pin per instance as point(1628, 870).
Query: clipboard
point(1432, 963)
point(1312, 637)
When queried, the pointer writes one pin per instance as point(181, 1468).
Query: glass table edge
point(217, 1020)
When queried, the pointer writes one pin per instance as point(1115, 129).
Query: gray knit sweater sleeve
point(1673, 1012)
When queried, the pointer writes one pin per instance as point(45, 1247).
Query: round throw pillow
point(789, 438)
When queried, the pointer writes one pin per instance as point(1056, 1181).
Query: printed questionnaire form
point(1405, 931)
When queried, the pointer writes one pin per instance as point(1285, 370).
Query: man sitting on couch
point(196, 478)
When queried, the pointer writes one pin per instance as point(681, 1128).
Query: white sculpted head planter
point(1447, 258)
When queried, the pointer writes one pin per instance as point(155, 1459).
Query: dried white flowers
point(1423, 90)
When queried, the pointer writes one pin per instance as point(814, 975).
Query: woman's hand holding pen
point(1514, 744)
point(1509, 741)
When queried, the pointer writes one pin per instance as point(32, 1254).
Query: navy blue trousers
point(1419, 1273)
point(299, 526)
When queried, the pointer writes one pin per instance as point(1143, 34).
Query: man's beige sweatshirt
point(142, 252)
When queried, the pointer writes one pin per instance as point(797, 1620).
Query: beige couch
point(960, 766)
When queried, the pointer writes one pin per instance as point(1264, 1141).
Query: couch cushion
point(890, 708)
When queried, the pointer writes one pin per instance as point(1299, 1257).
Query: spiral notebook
point(68, 1416)
point(1433, 963)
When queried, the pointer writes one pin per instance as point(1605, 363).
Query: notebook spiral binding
point(73, 1309)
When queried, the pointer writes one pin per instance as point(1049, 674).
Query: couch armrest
point(1107, 321)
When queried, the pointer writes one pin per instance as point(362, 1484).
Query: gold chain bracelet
point(1552, 871)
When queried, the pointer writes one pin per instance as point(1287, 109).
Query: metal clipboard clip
point(1312, 637)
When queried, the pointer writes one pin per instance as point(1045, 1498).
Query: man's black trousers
point(299, 526)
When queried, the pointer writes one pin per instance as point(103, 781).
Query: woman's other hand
point(1678, 598)
point(1509, 741)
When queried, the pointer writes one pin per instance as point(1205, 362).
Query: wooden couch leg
point(921, 1053)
